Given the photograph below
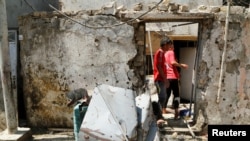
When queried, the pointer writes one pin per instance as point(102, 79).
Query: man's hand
point(185, 66)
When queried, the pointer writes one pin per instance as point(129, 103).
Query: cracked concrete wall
point(58, 55)
point(233, 106)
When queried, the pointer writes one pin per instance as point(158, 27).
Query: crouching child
point(78, 96)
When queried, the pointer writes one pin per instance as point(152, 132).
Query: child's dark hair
point(165, 40)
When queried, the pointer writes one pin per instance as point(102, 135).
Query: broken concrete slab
point(111, 115)
point(22, 134)
point(115, 113)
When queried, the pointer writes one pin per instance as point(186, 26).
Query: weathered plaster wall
point(58, 55)
point(234, 104)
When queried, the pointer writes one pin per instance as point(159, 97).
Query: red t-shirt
point(171, 70)
point(158, 59)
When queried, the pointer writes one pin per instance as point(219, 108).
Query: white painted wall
point(187, 56)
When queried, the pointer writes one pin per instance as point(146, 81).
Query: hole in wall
point(185, 40)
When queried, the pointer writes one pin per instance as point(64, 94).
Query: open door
point(16, 87)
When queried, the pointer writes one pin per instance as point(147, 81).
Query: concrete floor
point(55, 134)
point(22, 134)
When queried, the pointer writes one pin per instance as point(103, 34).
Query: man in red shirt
point(173, 77)
point(160, 78)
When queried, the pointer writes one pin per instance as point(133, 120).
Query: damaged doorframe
point(201, 20)
point(179, 39)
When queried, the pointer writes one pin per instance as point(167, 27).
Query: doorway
point(185, 38)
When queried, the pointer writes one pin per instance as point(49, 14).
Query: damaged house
point(76, 44)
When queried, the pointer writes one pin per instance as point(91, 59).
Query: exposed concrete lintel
point(165, 16)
